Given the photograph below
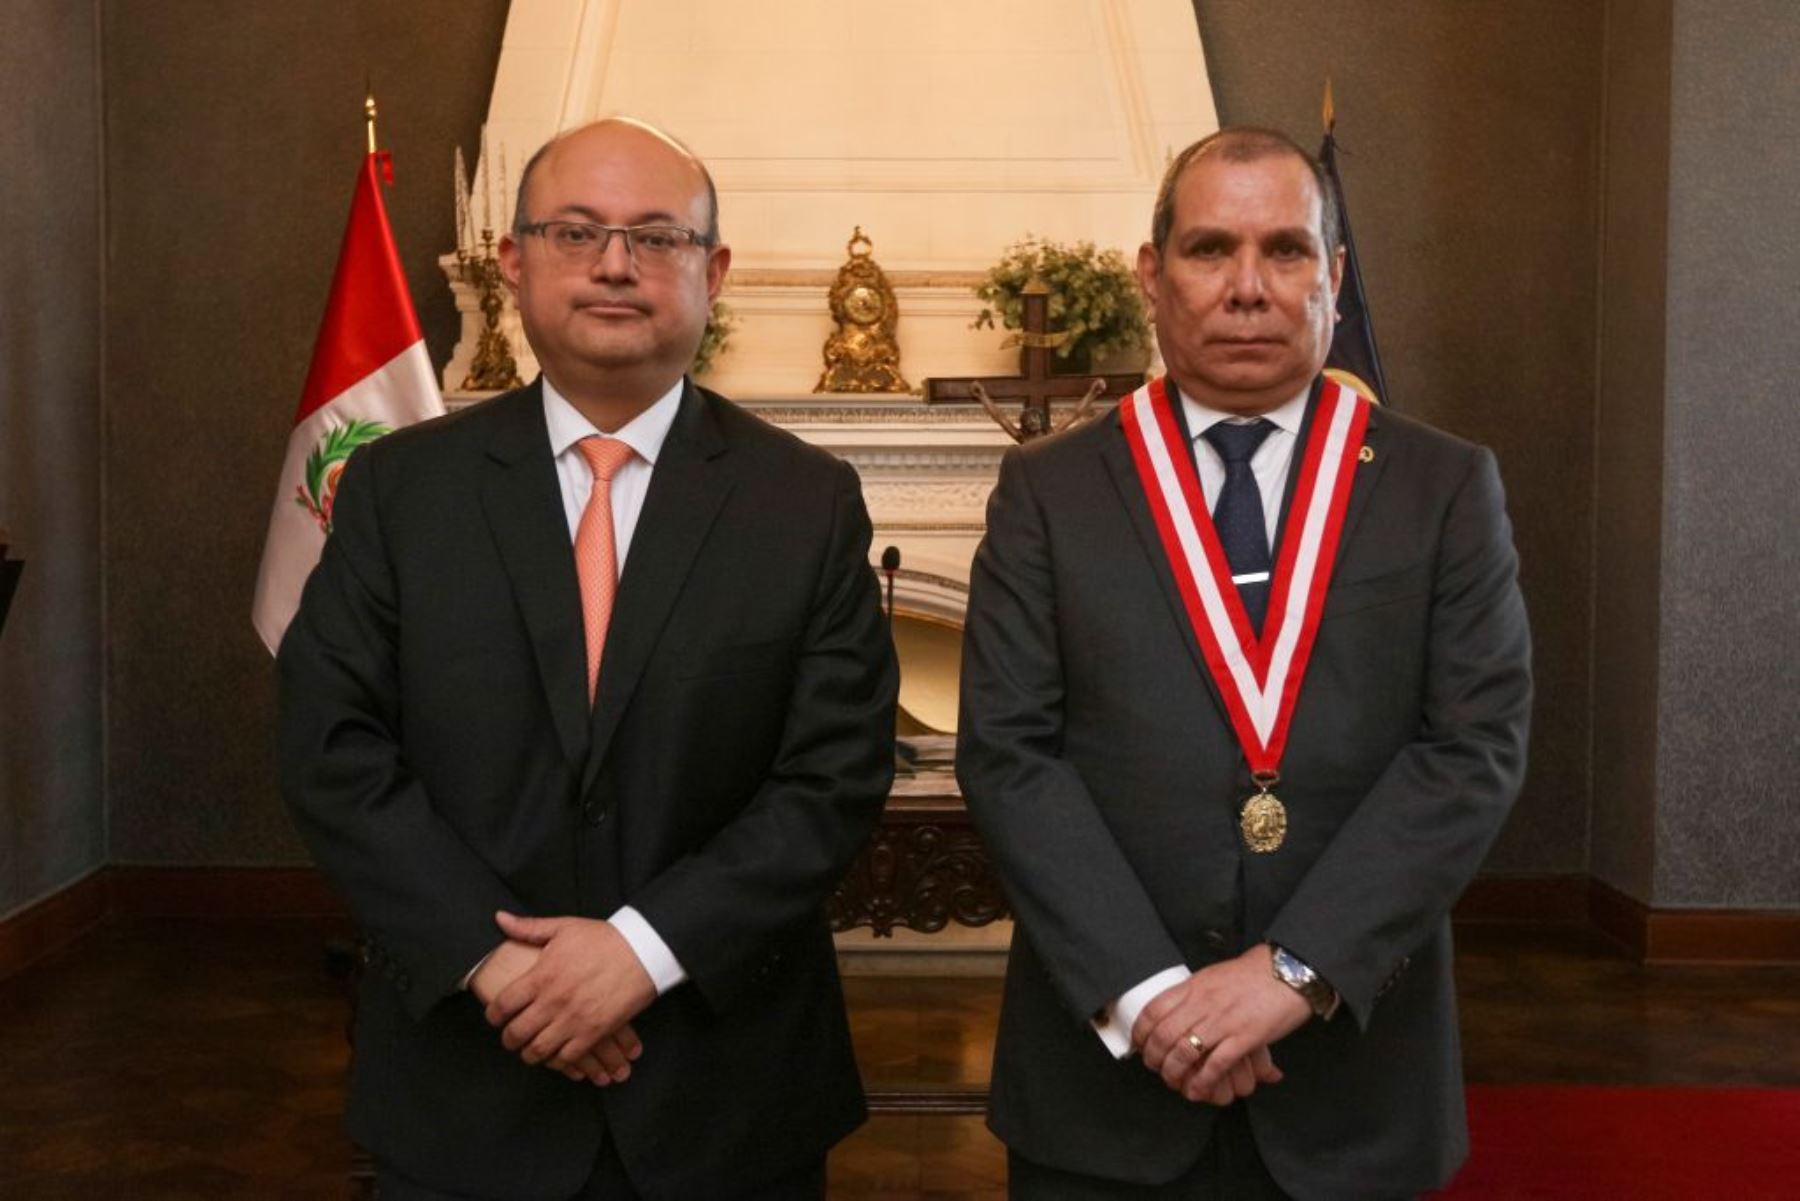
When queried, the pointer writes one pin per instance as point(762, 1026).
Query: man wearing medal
point(1246, 684)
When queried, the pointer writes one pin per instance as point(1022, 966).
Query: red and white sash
point(1258, 677)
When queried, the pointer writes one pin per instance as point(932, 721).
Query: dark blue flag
point(1353, 344)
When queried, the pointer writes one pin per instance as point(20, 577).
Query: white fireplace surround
point(945, 129)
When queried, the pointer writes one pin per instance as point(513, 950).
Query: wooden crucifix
point(1035, 387)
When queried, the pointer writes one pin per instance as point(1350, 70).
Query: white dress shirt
point(644, 434)
point(1270, 465)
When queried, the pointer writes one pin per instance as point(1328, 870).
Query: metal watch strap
point(1294, 972)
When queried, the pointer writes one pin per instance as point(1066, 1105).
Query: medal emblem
point(1263, 823)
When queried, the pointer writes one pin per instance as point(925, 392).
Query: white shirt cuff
point(469, 977)
point(664, 969)
point(1114, 1025)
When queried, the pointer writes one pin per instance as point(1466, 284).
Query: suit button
point(1215, 940)
point(593, 812)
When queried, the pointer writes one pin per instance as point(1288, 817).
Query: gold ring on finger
point(1198, 1043)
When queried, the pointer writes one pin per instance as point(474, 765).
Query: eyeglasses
point(585, 242)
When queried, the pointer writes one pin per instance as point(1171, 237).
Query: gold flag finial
point(1328, 110)
point(369, 114)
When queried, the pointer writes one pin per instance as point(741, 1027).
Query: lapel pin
point(1366, 455)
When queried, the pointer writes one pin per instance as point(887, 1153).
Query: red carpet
point(1634, 1144)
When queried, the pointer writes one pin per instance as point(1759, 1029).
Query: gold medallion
point(1263, 823)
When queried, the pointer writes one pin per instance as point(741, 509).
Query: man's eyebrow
point(1209, 234)
point(1291, 233)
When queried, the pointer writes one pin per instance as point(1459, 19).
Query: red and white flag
point(369, 376)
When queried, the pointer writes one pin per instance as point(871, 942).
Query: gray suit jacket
point(1099, 764)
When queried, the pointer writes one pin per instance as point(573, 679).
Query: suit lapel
point(525, 514)
point(1368, 475)
point(1131, 494)
point(1293, 475)
point(690, 481)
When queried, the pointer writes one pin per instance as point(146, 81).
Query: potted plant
point(717, 338)
point(1094, 299)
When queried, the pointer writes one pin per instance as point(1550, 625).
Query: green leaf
point(338, 444)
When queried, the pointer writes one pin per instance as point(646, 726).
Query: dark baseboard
point(52, 923)
point(1742, 936)
point(1524, 901)
point(227, 893)
point(1623, 920)
point(223, 892)
point(1725, 936)
point(1646, 934)
point(1730, 936)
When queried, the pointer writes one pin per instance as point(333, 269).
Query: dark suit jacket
point(1098, 762)
point(440, 758)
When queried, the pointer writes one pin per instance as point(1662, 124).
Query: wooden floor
point(205, 1060)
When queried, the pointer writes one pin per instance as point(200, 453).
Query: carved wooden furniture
point(924, 868)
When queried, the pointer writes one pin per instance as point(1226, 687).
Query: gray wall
point(1470, 139)
point(234, 134)
point(52, 811)
point(1728, 753)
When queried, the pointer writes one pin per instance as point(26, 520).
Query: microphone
point(890, 563)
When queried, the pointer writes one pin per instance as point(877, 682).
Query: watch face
point(1291, 969)
point(1292, 972)
point(863, 304)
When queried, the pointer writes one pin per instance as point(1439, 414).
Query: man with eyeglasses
point(587, 708)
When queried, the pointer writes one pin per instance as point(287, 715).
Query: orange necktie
point(596, 558)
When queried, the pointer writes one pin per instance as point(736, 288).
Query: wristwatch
point(1292, 971)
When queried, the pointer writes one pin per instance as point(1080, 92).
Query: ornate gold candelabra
point(493, 368)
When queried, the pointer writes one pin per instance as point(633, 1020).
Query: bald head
point(618, 131)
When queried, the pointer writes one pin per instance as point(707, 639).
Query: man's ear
point(718, 262)
point(510, 254)
point(1337, 271)
point(1149, 270)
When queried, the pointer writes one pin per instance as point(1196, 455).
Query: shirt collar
point(1288, 417)
point(644, 433)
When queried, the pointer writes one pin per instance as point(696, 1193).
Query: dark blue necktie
point(1238, 513)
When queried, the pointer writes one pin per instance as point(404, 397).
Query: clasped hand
point(1237, 1009)
point(563, 991)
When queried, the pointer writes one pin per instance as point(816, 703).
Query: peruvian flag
point(369, 376)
